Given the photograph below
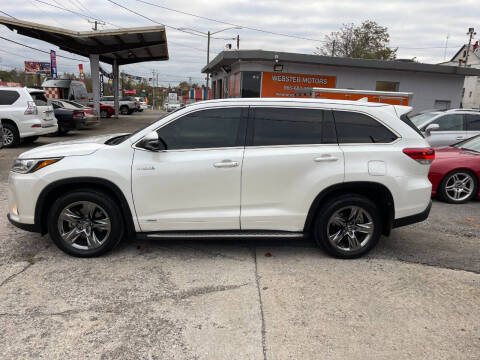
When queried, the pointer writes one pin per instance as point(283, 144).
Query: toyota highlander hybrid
point(344, 172)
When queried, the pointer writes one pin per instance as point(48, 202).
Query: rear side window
point(406, 119)
point(288, 126)
point(473, 122)
point(355, 128)
point(8, 97)
point(39, 98)
point(452, 122)
point(213, 128)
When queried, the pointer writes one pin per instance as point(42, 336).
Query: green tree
point(368, 40)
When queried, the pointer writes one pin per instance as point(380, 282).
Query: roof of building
point(129, 45)
point(228, 57)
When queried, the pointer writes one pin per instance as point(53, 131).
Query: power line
point(43, 51)
point(231, 24)
point(3, 12)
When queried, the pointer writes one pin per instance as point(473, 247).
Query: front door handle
point(226, 164)
point(460, 137)
point(325, 158)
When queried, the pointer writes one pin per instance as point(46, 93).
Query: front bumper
point(412, 219)
point(26, 227)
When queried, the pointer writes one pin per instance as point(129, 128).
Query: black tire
point(442, 188)
point(124, 110)
point(10, 131)
point(103, 113)
point(131, 111)
point(325, 214)
point(62, 131)
point(116, 232)
point(30, 139)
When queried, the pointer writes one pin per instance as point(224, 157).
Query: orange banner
point(284, 85)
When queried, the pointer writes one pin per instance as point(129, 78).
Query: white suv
point(344, 172)
point(25, 115)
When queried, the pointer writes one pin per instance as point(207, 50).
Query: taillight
point(422, 155)
point(78, 115)
point(31, 108)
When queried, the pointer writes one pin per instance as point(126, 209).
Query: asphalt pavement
point(416, 296)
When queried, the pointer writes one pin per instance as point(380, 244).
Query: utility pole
point(95, 24)
point(153, 89)
point(333, 48)
point(208, 57)
point(446, 45)
point(238, 42)
point(472, 33)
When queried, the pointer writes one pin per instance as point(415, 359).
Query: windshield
point(422, 118)
point(469, 144)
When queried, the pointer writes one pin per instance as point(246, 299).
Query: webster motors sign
point(284, 85)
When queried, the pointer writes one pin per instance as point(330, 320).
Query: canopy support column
point(116, 88)
point(94, 70)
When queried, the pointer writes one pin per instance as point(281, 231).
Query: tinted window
point(275, 126)
point(251, 81)
point(360, 128)
point(39, 98)
point(205, 129)
point(452, 122)
point(473, 122)
point(8, 97)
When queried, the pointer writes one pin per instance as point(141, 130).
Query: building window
point(251, 81)
point(442, 104)
point(387, 86)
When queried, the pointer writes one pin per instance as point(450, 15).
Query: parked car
point(127, 105)
point(142, 104)
point(90, 119)
point(455, 173)
point(443, 128)
point(344, 171)
point(172, 106)
point(68, 119)
point(25, 115)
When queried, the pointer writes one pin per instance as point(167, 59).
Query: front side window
point(8, 97)
point(473, 122)
point(355, 128)
point(213, 128)
point(452, 122)
point(289, 126)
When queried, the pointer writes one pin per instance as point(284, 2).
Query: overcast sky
point(411, 24)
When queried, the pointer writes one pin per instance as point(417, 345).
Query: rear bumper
point(412, 219)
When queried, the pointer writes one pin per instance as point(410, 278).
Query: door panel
point(195, 183)
point(185, 190)
point(289, 160)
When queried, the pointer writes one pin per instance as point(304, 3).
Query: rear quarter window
point(357, 128)
point(8, 97)
point(39, 98)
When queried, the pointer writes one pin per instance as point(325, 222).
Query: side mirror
point(152, 142)
point(431, 127)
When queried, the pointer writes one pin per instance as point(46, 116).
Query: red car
point(105, 110)
point(455, 172)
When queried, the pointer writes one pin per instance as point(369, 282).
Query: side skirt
point(220, 234)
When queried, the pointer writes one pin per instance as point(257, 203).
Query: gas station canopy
point(126, 46)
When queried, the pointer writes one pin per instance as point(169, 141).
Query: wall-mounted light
point(278, 67)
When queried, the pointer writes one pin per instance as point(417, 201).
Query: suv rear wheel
point(85, 223)
point(348, 226)
point(124, 110)
point(11, 137)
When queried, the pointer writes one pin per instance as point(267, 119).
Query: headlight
point(31, 165)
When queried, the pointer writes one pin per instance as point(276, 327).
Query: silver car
point(443, 128)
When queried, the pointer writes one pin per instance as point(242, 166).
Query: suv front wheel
point(348, 226)
point(85, 223)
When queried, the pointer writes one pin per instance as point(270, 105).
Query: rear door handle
point(226, 164)
point(326, 158)
point(460, 137)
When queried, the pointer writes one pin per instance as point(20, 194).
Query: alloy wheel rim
point(7, 136)
point(350, 228)
point(84, 225)
point(459, 186)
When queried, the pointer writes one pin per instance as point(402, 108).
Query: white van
point(25, 115)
